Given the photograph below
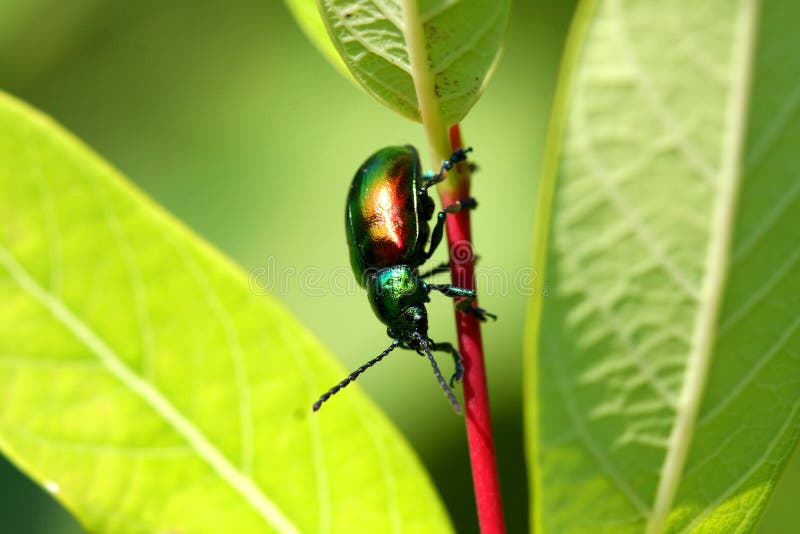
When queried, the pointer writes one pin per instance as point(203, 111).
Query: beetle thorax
point(392, 291)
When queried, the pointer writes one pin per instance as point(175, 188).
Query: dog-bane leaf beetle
point(386, 220)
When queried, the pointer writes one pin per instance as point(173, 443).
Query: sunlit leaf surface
point(664, 389)
point(147, 388)
point(461, 41)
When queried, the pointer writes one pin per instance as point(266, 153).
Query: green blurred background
point(227, 116)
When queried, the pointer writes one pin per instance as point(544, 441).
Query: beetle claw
point(459, 372)
point(477, 311)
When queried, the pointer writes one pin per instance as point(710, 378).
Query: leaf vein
point(753, 468)
point(762, 291)
point(243, 485)
point(767, 222)
point(98, 448)
point(361, 38)
point(138, 287)
point(752, 372)
point(468, 45)
point(51, 221)
point(317, 443)
point(776, 127)
point(716, 261)
point(638, 225)
point(237, 358)
point(586, 437)
point(654, 100)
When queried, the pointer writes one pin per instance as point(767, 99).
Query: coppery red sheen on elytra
point(385, 232)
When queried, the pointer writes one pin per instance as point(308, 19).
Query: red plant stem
point(476, 395)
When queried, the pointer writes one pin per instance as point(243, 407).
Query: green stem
point(425, 86)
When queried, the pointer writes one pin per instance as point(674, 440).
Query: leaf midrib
point(424, 82)
point(260, 502)
point(717, 262)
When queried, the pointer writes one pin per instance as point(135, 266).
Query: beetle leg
point(468, 203)
point(457, 360)
point(454, 291)
point(466, 304)
point(456, 157)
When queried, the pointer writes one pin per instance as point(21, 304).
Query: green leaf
point(663, 362)
point(150, 390)
point(405, 51)
point(307, 16)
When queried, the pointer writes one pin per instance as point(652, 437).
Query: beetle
point(387, 217)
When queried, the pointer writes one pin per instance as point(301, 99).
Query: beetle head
point(411, 325)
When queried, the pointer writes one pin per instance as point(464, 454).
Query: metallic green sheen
point(387, 225)
point(394, 289)
point(386, 217)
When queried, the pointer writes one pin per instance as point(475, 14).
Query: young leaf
point(149, 389)
point(446, 47)
point(663, 388)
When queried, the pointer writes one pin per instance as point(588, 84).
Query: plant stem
point(476, 395)
point(462, 266)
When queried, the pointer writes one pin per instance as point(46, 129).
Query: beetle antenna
point(449, 392)
point(352, 376)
